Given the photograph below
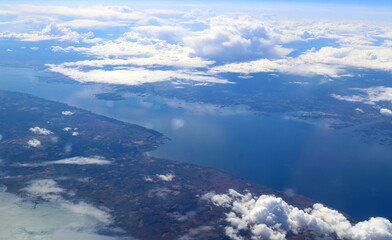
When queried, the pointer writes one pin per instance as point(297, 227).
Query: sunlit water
point(335, 167)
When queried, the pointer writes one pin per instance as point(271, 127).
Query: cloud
point(83, 208)
point(191, 46)
point(49, 190)
point(183, 217)
point(235, 38)
point(132, 60)
point(164, 11)
point(44, 188)
point(148, 179)
point(135, 49)
point(100, 12)
point(54, 218)
point(133, 76)
point(386, 112)
point(166, 177)
point(196, 233)
point(82, 161)
point(34, 142)
point(222, 200)
point(370, 95)
point(161, 192)
point(40, 131)
point(67, 113)
point(177, 123)
point(53, 31)
point(73, 160)
point(327, 61)
point(270, 217)
point(169, 33)
point(93, 24)
point(8, 12)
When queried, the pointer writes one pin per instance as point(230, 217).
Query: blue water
point(336, 167)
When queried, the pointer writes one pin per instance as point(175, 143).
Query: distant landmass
point(105, 163)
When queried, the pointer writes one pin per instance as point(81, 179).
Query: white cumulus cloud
point(270, 217)
point(40, 131)
point(67, 113)
point(166, 177)
point(386, 112)
point(34, 142)
point(235, 38)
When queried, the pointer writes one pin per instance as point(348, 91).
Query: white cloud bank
point(270, 217)
point(133, 75)
point(328, 61)
point(51, 31)
point(92, 12)
point(136, 49)
point(157, 49)
point(92, 24)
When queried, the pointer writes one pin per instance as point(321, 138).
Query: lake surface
point(336, 167)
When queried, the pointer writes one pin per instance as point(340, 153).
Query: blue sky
point(318, 9)
point(338, 2)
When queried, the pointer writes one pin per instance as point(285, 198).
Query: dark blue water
point(335, 167)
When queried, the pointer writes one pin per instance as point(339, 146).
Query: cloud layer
point(199, 45)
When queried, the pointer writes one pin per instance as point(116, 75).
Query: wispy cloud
point(53, 218)
point(133, 75)
point(370, 95)
point(73, 160)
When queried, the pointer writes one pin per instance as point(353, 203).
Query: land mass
point(146, 196)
